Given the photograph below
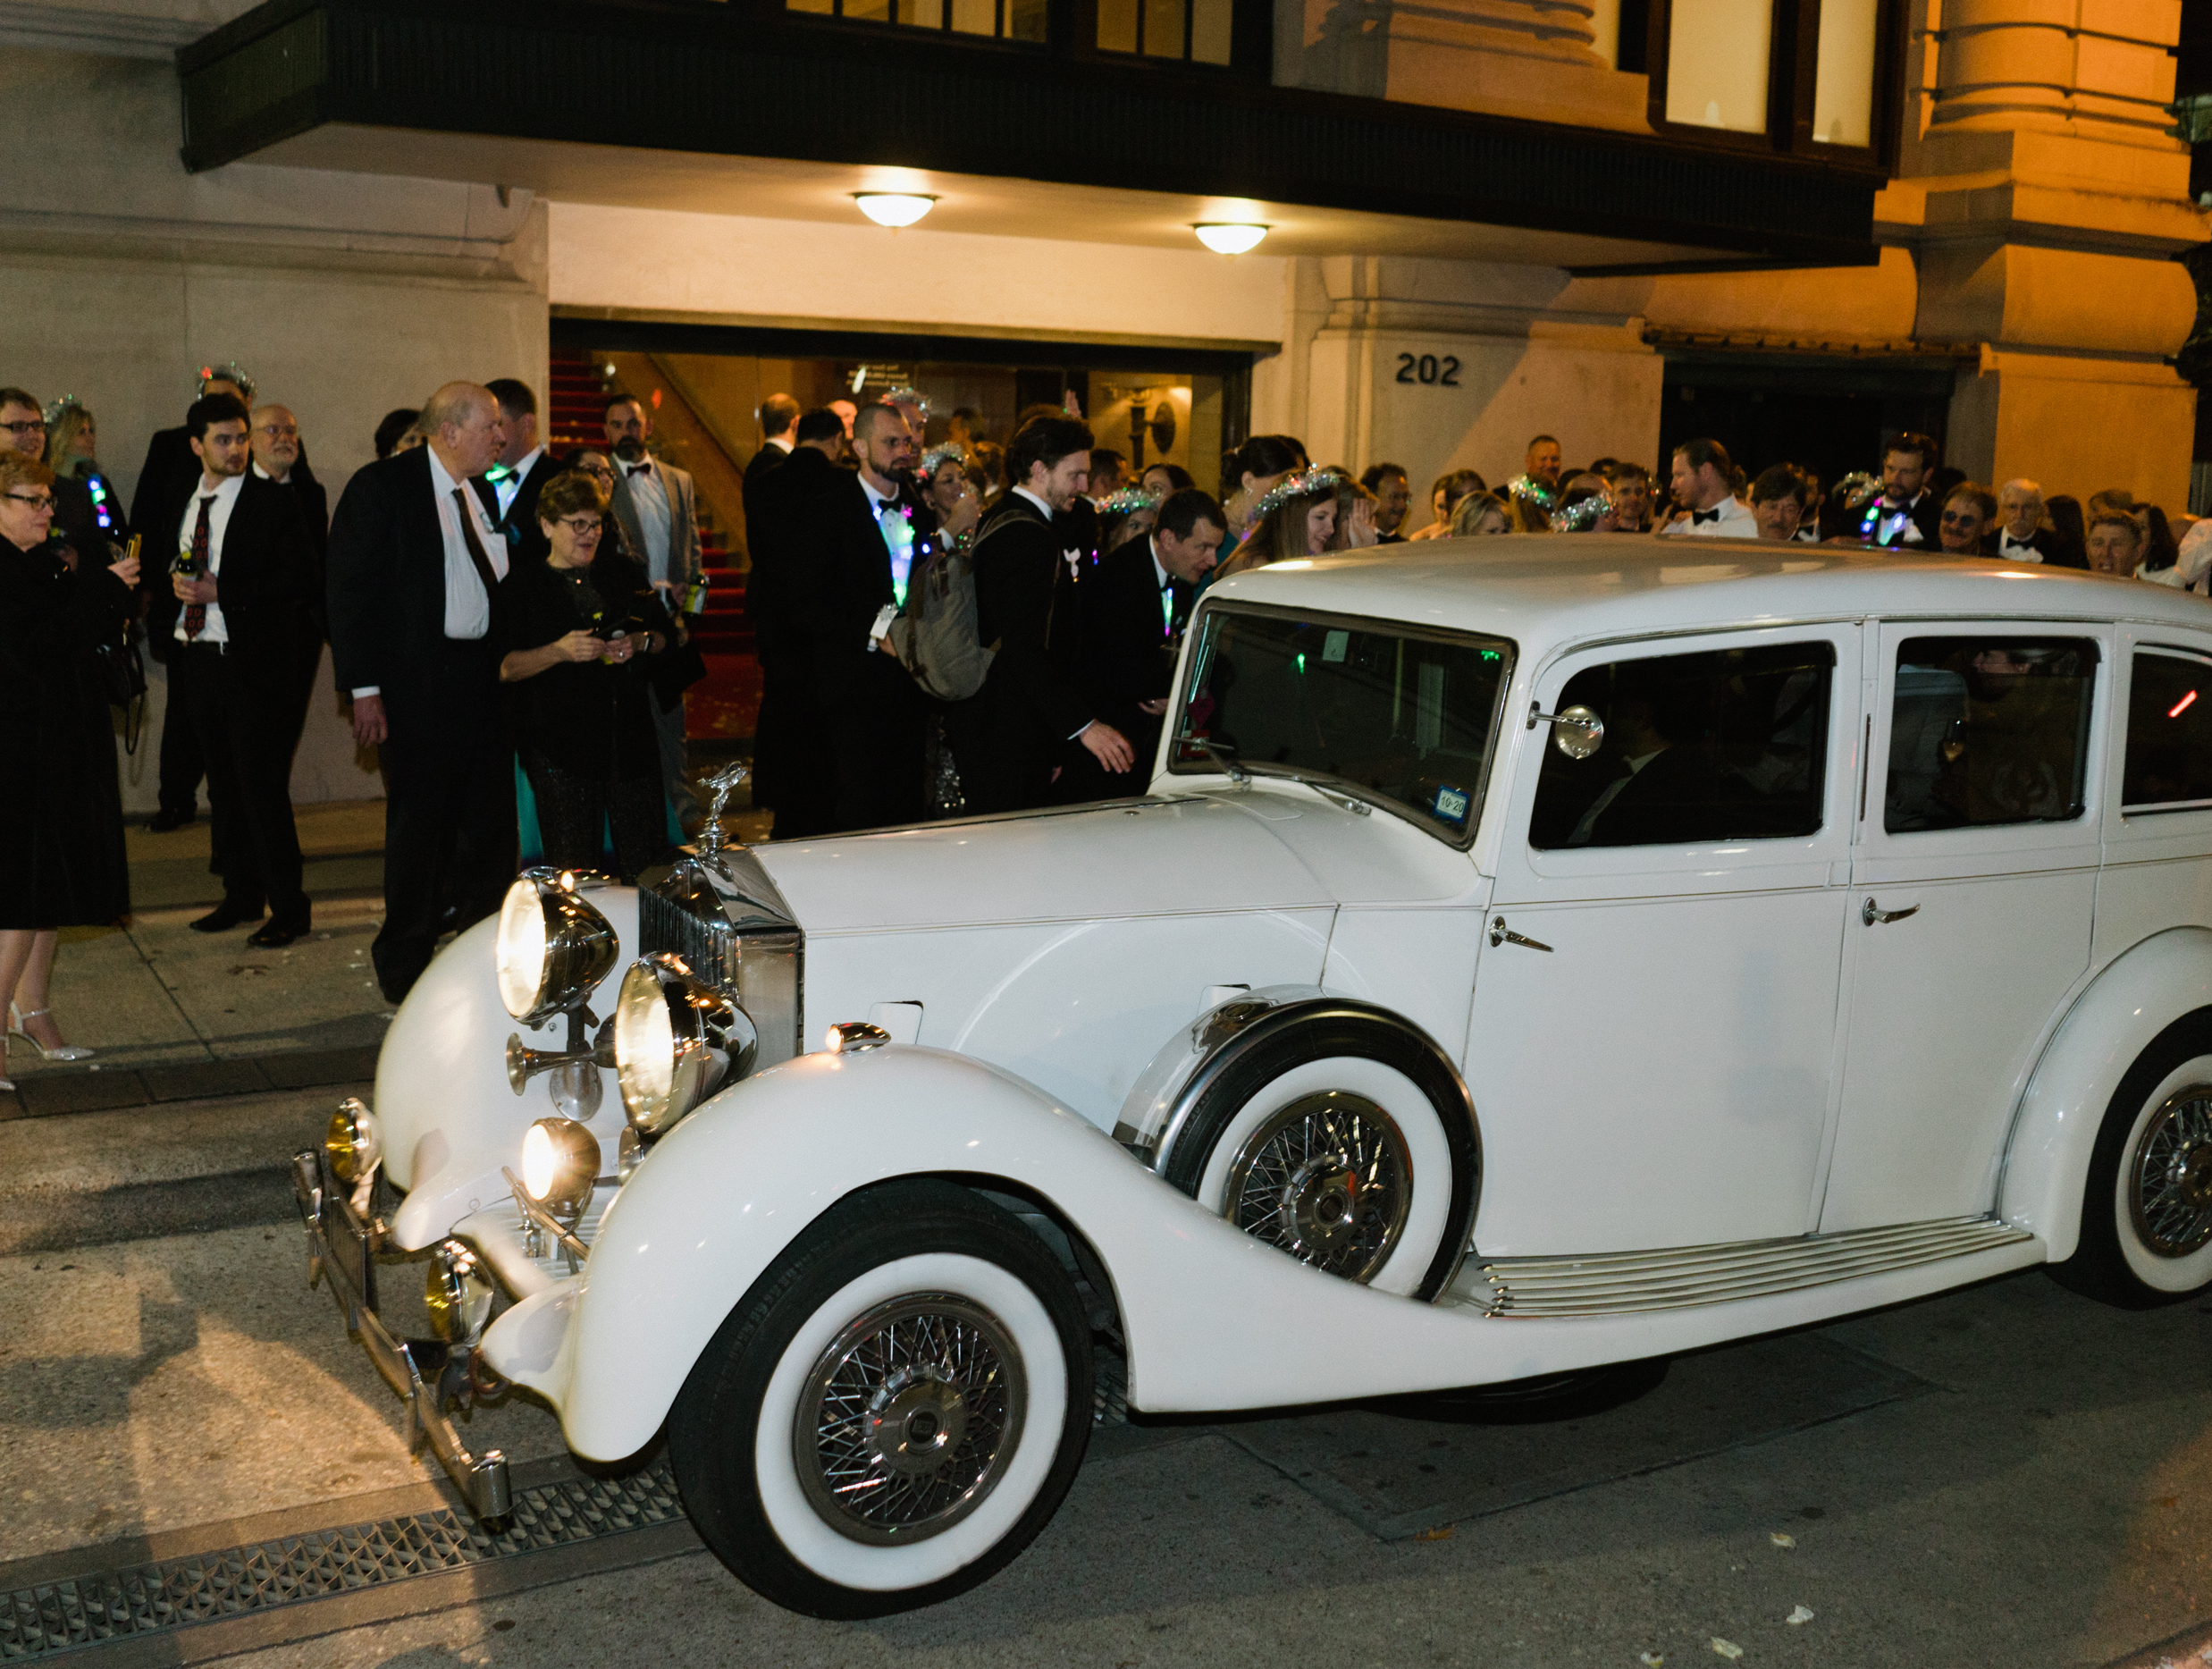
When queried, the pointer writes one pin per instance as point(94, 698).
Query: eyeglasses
point(287, 431)
point(585, 527)
point(37, 500)
point(1966, 520)
point(35, 426)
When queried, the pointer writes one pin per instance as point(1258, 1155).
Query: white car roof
point(1542, 590)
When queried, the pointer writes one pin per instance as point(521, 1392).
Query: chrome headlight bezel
point(676, 1040)
point(575, 945)
point(458, 1293)
point(353, 1143)
point(560, 1165)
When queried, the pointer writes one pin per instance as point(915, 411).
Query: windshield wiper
point(1223, 760)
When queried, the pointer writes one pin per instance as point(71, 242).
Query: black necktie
point(196, 613)
point(1698, 517)
point(475, 545)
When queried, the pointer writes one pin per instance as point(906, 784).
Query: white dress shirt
point(225, 498)
point(510, 485)
point(781, 442)
point(649, 496)
point(1159, 577)
point(283, 480)
point(1733, 521)
point(468, 609)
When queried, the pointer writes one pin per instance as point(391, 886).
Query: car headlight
point(554, 946)
point(559, 1164)
point(354, 1143)
point(458, 1293)
point(677, 1041)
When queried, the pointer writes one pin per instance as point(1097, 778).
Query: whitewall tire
point(895, 1409)
point(2146, 1206)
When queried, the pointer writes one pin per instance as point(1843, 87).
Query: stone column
point(2044, 196)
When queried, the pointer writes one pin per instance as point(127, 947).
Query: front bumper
point(430, 1376)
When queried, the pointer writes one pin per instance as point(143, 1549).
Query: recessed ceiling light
point(1230, 240)
point(893, 208)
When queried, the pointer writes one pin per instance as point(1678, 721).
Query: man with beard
point(657, 507)
point(1907, 513)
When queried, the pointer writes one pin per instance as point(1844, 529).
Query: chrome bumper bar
point(429, 1375)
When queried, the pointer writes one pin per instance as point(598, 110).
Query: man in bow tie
point(2021, 536)
point(657, 507)
point(1135, 606)
point(1704, 485)
point(1907, 514)
point(1012, 738)
point(510, 489)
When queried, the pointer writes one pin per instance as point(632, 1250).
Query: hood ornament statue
point(720, 786)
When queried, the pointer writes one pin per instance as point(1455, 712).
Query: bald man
point(414, 564)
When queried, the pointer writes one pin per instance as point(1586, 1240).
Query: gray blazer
point(685, 563)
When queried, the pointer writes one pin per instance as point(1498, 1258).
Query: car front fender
point(2137, 996)
point(449, 1116)
point(1207, 1310)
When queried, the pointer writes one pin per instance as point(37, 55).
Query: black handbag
point(122, 680)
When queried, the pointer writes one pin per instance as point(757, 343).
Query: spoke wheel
point(905, 1419)
point(2170, 1192)
point(1329, 1180)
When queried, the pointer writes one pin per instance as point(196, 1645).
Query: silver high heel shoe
point(7, 1044)
point(67, 1051)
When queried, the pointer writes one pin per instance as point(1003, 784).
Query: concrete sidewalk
point(175, 1013)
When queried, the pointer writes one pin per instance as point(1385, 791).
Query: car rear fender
point(2137, 996)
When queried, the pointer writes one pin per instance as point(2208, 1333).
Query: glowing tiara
point(1583, 514)
point(1305, 485)
point(1128, 500)
point(60, 408)
point(912, 397)
point(950, 452)
point(1529, 487)
point(230, 371)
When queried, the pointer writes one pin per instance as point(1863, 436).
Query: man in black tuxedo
point(852, 541)
point(234, 628)
point(779, 417)
point(1135, 606)
point(277, 458)
point(415, 560)
point(510, 490)
point(785, 778)
point(1907, 513)
point(1010, 739)
point(2022, 535)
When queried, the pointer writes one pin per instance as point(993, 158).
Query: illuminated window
point(1002, 20)
point(1195, 29)
point(1843, 92)
point(1718, 54)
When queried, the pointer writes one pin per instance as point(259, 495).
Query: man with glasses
point(23, 429)
point(275, 440)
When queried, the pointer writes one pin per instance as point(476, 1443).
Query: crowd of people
point(972, 627)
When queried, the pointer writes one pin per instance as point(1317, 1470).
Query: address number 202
point(1429, 370)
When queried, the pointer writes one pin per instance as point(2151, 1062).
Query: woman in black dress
point(62, 860)
point(579, 631)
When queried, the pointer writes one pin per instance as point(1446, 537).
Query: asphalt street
point(2010, 1475)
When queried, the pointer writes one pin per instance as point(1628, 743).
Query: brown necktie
point(475, 544)
point(196, 613)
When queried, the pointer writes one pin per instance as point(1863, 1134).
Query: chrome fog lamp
point(559, 1164)
point(676, 1040)
point(458, 1293)
point(353, 1141)
point(554, 948)
point(849, 1037)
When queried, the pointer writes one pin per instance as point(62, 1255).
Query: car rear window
point(1724, 745)
point(1988, 730)
point(2169, 733)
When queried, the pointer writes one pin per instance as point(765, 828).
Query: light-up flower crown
point(937, 457)
point(912, 397)
point(60, 408)
point(1128, 500)
point(1304, 485)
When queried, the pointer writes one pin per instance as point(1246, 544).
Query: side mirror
point(1576, 731)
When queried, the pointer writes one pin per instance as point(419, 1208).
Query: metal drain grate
point(204, 1587)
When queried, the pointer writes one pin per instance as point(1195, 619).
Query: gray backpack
point(935, 635)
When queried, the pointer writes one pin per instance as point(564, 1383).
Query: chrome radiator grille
point(758, 956)
point(710, 950)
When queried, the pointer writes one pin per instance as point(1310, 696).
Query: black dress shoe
point(226, 915)
point(165, 820)
point(280, 932)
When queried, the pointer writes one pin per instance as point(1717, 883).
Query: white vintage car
point(1534, 953)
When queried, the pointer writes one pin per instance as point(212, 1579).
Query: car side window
point(2168, 766)
point(1724, 744)
point(1988, 730)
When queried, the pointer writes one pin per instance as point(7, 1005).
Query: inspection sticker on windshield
point(1451, 805)
point(1333, 645)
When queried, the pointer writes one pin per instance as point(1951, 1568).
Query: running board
point(1627, 1283)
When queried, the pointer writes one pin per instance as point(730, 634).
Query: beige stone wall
point(343, 295)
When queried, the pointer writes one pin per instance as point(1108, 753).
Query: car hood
point(1266, 847)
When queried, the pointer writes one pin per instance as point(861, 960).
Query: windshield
point(1403, 717)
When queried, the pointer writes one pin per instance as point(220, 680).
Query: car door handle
point(1874, 914)
point(1500, 934)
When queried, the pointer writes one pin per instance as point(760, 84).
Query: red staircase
point(727, 704)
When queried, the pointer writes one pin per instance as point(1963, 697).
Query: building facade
point(1792, 224)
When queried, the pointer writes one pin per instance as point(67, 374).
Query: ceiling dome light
point(893, 208)
point(1230, 240)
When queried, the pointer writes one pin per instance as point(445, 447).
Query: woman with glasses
point(61, 827)
point(579, 631)
point(600, 467)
